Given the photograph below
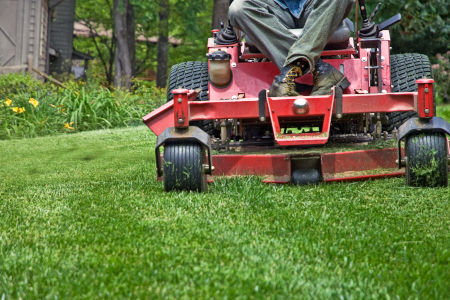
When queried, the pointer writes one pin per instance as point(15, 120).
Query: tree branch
point(93, 34)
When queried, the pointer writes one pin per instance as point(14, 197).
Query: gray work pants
point(267, 26)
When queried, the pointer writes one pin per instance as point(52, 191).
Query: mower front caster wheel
point(426, 160)
point(183, 167)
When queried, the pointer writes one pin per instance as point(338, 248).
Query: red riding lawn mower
point(220, 121)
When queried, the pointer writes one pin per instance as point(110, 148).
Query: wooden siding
point(61, 33)
point(23, 34)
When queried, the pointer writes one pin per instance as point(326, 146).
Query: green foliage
point(443, 111)
point(30, 108)
point(189, 21)
point(424, 27)
point(18, 116)
point(82, 216)
point(20, 84)
point(441, 74)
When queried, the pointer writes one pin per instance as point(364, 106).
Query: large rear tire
point(426, 160)
point(183, 167)
point(405, 70)
point(192, 75)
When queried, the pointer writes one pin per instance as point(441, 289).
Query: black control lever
point(362, 7)
point(227, 35)
point(369, 28)
point(389, 22)
point(372, 15)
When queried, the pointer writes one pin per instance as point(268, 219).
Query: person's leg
point(266, 25)
point(319, 20)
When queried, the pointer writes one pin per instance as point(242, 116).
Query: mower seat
point(339, 39)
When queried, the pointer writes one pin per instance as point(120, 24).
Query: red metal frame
point(250, 77)
point(163, 117)
point(181, 106)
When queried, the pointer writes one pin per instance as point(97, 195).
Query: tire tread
point(419, 152)
point(405, 70)
point(183, 167)
point(192, 75)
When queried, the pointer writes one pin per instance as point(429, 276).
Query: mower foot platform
point(321, 107)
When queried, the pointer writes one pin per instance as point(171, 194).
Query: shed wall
point(61, 33)
point(23, 34)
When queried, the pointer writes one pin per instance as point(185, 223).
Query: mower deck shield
point(334, 166)
point(248, 108)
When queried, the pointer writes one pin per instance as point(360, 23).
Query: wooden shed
point(36, 34)
point(23, 35)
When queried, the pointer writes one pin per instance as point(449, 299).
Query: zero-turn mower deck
point(312, 165)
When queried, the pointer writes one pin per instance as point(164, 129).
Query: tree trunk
point(131, 37)
point(163, 43)
point(220, 13)
point(125, 54)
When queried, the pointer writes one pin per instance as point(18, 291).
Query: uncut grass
point(83, 217)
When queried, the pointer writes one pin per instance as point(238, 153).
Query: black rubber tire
point(405, 70)
point(189, 75)
point(426, 160)
point(183, 167)
point(192, 75)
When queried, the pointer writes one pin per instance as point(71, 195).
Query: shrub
point(31, 108)
point(441, 74)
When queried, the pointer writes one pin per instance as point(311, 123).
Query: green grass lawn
point(82, 216)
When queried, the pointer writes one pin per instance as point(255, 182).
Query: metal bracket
point(191, 133)
point(338, 96)
point(262, 98)
point(374, 43)
point(181, 112)
point(425, 99)
point(420, 125)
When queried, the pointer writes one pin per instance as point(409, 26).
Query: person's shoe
point(325, 77)
point(283, 85)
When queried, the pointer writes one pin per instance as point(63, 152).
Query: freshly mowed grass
point(82, 216)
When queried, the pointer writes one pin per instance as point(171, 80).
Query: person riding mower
point(267, 25)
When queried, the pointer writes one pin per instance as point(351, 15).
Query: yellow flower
point(18, 110)
point(69, 126)
point(33, 102)
point(8, 102)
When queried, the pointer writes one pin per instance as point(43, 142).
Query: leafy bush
point(31, 108)
point(424, 27)
point(441, 74)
